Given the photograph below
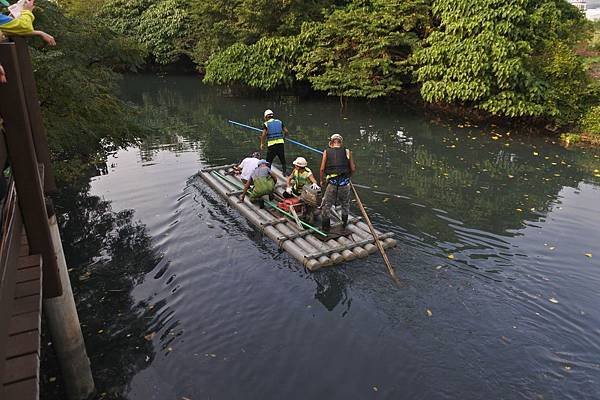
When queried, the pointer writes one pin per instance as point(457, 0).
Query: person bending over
point(263, 181)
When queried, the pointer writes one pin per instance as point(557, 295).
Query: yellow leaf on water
point(588, 255)
point(150, 336)
point(451, 256)
point(551, 247)
point(386, 199)
point(429, 313)
point(535, 153)
point(495, 137)
point(553, 300)
point(511, 176)
point(375, 388)
point(519, 210)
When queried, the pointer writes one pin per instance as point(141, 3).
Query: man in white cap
point(247, 166)
point(300, 176)
point(337, 166)
point(274, 133)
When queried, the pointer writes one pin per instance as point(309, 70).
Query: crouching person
point(263, 181)
point(300, 177)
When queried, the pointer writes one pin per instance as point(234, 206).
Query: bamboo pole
point(377, 242)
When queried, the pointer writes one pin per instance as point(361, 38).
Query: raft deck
point(309, 246)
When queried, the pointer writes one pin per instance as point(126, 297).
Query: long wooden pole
point(375, 236)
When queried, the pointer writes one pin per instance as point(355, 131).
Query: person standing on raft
point(263, 180)
point(300, 176)
point(274, 133)
point(337, 166)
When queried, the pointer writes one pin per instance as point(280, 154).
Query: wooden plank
point(24, 390)
point(25, 322)
point(23, 343)
point(30, 288)
point(24, 164)
point(21, 368)
point(29, 274)
point(29, 261)
point(27, 304)
point(24, 250)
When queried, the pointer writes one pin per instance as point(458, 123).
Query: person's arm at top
point(351, 163)
point(286, 133)
point(49, 39)
point(322, 169)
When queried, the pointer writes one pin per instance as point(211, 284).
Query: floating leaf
point(553, 300)
point(150, 336)
point(535, 153)
point(551, 248)
point(386, 199)
point(451, 256)
point(588, 255)
point(438, 267)
point(519, 210)
point(429, 313)
point(375, 388)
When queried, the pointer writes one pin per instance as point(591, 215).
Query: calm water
point(181, 298)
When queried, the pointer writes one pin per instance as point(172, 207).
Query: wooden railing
point(24, 149)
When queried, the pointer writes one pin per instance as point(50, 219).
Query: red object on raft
point(294, 202)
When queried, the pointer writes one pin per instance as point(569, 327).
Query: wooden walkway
point(21, 380)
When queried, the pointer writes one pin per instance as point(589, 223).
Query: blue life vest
point(274, 131)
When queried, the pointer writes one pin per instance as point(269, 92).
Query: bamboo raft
point(302, 244)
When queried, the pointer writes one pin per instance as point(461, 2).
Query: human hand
point(49, 39)
point(314, 186)
point(241, 200)
point(2, 75)
point(288, 190)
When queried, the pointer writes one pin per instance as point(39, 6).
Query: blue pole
point(289, 140)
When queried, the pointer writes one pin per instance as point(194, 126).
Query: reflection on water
point(491, 225)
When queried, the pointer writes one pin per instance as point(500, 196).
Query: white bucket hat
point(300, 162)
point(268, 112)
point(336, 136)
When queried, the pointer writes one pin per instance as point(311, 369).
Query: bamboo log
point(281, 226)
point(244, 209)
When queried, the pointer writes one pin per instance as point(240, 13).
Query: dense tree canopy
point(77, 88)
point(512, 58)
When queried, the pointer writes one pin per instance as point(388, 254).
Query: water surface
point(186, 299)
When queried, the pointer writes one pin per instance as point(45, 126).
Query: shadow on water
point(108, 254)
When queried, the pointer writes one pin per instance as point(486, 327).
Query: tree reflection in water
point(108, 254)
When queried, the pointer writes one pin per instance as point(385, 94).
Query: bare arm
point(49, 39)
point(322, 169)
point(351, 164)
point(263, 137)
point(285, 132)
point(246, 187)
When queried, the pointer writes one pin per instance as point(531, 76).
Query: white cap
point(336, 136)
point(268, 112)
point(300, 162)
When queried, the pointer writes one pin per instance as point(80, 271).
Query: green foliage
point(493, 54)
point(162, 27)
point(218, 24)
point(363, 50)
point(591, 121)
point(78, 88)
point(265, 65)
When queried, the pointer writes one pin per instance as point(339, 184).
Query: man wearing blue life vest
point(337, 166)
point(274, 133)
